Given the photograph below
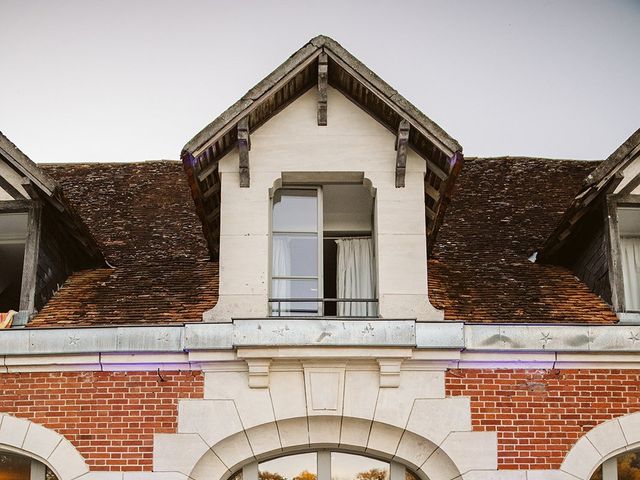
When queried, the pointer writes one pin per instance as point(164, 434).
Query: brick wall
point(539, 414)
point(109, 416)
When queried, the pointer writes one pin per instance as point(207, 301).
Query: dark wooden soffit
point(41, 187)
point(294, 77)
point(602, 181)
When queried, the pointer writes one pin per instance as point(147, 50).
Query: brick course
point(110, 417)
point(539, 414)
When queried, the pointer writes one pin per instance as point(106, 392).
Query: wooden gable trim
point(402, 140)
point(323, 80)
point(244, 145)
point(10, 189)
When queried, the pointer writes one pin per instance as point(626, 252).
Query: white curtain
point(281, 267)
point(355, 276)
point(630, 253)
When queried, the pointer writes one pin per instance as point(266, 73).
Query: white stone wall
point(352, 141)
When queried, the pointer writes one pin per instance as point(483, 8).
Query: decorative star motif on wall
point(634, 337)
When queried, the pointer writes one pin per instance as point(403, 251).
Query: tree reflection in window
point(20, 467)
point(628, 467)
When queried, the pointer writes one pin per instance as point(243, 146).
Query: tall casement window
point(629, 233)
point(322, 252)
point(324, 465)
point(18, 467)
point(13, 236)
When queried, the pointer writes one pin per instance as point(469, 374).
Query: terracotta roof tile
point(143, 217)
point(501, 212)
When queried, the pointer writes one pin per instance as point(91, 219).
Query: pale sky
point(128, 80)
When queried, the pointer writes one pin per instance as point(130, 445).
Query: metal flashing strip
point(354, 333)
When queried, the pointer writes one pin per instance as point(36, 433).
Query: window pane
point(295, 289)
point(345, 466)
point(295, 211)
point(629, 466)
point(14, 467)
point(293, 467)
point(295, 255)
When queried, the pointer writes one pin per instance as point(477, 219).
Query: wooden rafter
point(323, 80)
point(401, 151)
point(244, 145)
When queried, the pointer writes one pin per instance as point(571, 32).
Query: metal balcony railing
point(292, 310)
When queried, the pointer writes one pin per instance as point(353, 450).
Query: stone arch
point(601, 443)
point(31, 439)
point(295, 435)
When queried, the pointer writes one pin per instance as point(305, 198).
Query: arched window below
point(324, 465)
point(625, 466)
point(19, 467)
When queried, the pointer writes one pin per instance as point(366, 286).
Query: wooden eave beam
point(10, 189)
point(401, 152)
point(323, 80)
point(30, 263)
point(244, 145)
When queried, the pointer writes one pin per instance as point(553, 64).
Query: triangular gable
point(295, 76)
point(603, 180)
point(43, 187)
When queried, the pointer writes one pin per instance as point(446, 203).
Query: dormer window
point(322, 251)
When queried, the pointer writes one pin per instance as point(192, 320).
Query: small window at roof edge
point(629, 233)
point(13, 235)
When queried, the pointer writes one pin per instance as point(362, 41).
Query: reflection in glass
point(295, 289)
point(292, 467)
point(628, 467)
point(345, 466)
point(295, 255)
point(14, 467)
point(295, 211)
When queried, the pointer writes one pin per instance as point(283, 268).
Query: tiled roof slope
point(502, 210)
point(143, 217)
point(145, 222)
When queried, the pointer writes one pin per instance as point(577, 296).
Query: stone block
point(383, 439)
point(208, 467)
point(581, 459)
point(67, 462)
point(40, 440)
point(360, 393)
point(288, 394)
point(440, 467)
point(414, 449)
point(213, 420)
point(324, 431)
point(394, 404)
point(354, 433)
point(472, 450)
point(233, 450)
point(294, 433)
point(177, 452)
point(253, 404)
point(13, 430)
point(630, 425)
point(434, 419)
point(607, 437)
point(264, 439)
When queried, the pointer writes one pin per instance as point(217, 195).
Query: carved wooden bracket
point(244, 145)
point(401, 151)
point(323, 79)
